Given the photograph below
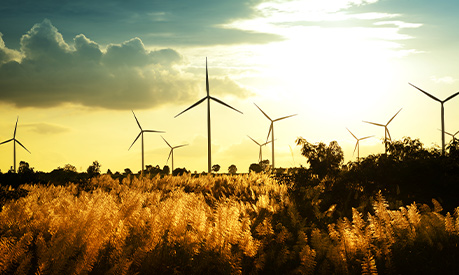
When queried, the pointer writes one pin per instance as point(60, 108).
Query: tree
point(232, 169)
point(94, 169)
point(215, 168)
point(255, 167)
point(127, 171)
point(264, 164)
point(323, 160)
point(69, 168)
point(166, 170)
point(24, 168)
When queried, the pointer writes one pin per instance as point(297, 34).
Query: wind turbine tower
point(386, 131)
point(14, 140)
point(141, 134)
point(442, 115)
point(172, 151)
point(271, 131)
point(357, 144)
point(208, 98)
point(260, 154)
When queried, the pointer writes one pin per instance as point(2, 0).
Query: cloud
point(45, 128)
point(7, 55)
point(124, 76)
point(444, 79)
point(170, 23)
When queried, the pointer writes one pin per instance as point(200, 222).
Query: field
point(218, 224)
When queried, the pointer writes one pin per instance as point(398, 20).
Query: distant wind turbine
point(442, 115)
point(453, 135)
point(271, 130)
point(260, 154)
point(14, 140)
point(208, 97)
point(357, 144)
point(386, 131)
point(141, 134)
point(172, 151)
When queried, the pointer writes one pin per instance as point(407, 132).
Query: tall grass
point(244, 224)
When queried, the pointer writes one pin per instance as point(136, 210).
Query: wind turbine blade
point(7, 141)
point(170, 153)
point(270, 129)
point(137, 120)
point(263, 112)
point(365, 137)
point(283, 117)
point(153, 131)
point(135, 140)
point(266, 143)
point(387, 130)
point(166, 142)
point(426, 93)
point(197, 103)
point(254, 141)
point(223, 103)
point(456, 133)
point(451, 97)
point(352, 134)
point(22, 145)
point(178, 146)
point(207, 80)
point(393, 116)
point(377, 124)
point(356, 145)
point(15, 127)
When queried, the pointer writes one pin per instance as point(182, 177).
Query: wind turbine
point(260, 155)
point(357, 144)
point(386, 131)
point(208, 97)
point(442, 115)
point(172, 152)
point(271, 130)
point(453, 135)
point(14, 140)
point(141, 134)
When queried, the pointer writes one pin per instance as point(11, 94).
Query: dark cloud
point(124, 76)
point(170, 23)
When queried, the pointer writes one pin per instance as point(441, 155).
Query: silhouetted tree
point(255, 167)
point(166, 170)
point(232, 169)
point(179, 171)
point(94, 169)
point(264, 164)
point(69, 168)
point(215, 168)
point(127, 171)
point(323, 160)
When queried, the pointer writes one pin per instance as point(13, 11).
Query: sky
point(74, 72)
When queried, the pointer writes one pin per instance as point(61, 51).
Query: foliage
point(323, 160)
point(245, 224)
point(232, 169)
point(215, 168)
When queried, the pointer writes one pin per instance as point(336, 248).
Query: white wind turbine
point(442, 115)
point(172, 152)
point(271, 130)
point(357, 144)
point(208, 97)
point(141, 134)
point(386, 130)
point(260, 154)
point(14, 140)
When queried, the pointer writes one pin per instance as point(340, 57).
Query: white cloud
point(124, 76)
point(7, 55)
point(444, 79)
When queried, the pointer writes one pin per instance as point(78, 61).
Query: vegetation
point(392, 213)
